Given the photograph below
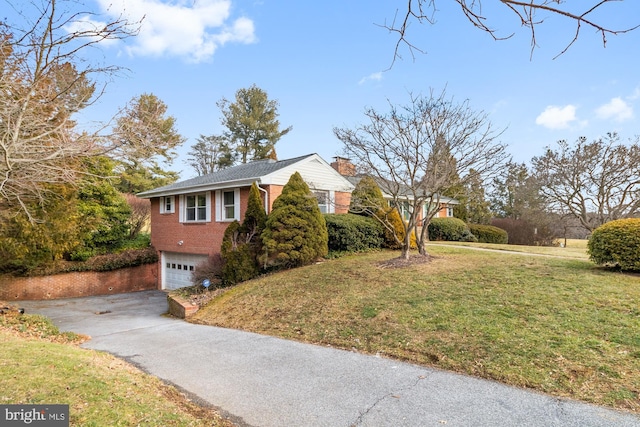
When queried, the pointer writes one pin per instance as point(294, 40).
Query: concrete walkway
point(262, 381)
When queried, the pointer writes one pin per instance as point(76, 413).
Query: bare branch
point(424, 11)
point(416, 152)
point(42, 87)
point(595, 182)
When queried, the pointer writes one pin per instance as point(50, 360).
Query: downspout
point(266, 198)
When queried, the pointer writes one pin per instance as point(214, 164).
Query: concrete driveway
point(262, 381)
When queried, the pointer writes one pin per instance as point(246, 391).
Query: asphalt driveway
point(262, 381)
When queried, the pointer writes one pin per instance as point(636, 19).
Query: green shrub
point(140, 241)
point(449, 229)
point(489, 234)
point(239, 263)
point(124, 259)
point(353, 233)
point(616, 244)
point(397, 231)
point(295, 233)
point(108, 262)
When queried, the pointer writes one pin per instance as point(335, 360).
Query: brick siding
point(79, 284)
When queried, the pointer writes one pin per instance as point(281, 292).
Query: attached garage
point(177, 269)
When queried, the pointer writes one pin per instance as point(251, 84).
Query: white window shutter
point(331, 208)
point(180, 208)
point(218, 205)
point(236, 203)
point(208, 210)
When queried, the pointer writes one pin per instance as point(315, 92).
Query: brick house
point(188, 218)
point(348, 170)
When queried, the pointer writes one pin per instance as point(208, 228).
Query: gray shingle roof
point(404, 190)
point(243, 172)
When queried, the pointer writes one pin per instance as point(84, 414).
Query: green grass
point(560, 326)
point(40, 366)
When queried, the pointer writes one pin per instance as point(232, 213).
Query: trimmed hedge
point(489, 233)
point(353, 233)
point(449, 229)
point(616, 244)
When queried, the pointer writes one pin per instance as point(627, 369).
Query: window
point(167, 204)
point(405, 210)
point(323, 200)
point(228, 205)
point(449, 211)
point(196, 207)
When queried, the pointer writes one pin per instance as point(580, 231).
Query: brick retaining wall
point(79, 284)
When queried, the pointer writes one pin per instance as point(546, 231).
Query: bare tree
point(42, 86)
point(418, 151)
point(140, 214)
point(210, 154)
point(527, 12)
point(595, 182)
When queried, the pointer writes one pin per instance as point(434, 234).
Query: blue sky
point(326, 61)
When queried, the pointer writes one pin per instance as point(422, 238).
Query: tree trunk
point(405, 252)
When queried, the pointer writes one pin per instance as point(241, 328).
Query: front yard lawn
point(40, 366)
point(560, 326)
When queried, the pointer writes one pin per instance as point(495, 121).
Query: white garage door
point(177, 269)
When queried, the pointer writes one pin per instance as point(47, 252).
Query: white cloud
point(635, 95)
point(188, 29)
point(616, 109)
point(557, 117)
point(85, 24)
point(371, 77)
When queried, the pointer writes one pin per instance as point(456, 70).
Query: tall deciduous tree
point(253, 128)
point(529, 14)
point(210, 154)
point(45, 79)
point(596, 182)
point(145, 136)
point(416, 152)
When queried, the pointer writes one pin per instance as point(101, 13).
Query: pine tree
point(241, 244)
point(253, 128)
point(296, 232)
point(367, 198)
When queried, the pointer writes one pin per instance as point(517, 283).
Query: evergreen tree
point(478, 210)
point(254, 218)
point(241, 244)
point(295, 233)
point(252, 124)
point(144, 135)
point(104, 212)
point(367, 198)
point(26, 245)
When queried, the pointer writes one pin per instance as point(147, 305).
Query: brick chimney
point(344, 166)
